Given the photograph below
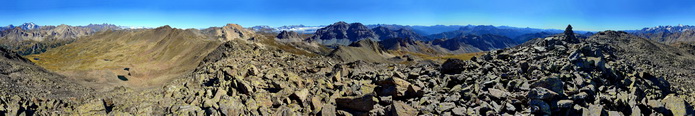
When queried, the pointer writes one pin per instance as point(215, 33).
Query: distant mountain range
point(30, 38)
point(419, 29)
point(667, 34)
point(302, 29)
point(510, 32)
point(25, 26)
point(465, 39)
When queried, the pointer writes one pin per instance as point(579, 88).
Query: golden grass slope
point(153, 56)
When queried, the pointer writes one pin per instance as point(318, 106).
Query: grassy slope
point(153, 56)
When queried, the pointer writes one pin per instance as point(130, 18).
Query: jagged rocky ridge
point(341, 33)
point(558, 75)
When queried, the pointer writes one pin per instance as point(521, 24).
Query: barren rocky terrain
point(608, 73)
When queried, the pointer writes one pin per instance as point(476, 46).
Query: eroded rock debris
point(557, 75)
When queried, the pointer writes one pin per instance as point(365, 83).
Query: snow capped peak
point(29, 23)
point(29, 26)
point(295, 28)
point(670, 28)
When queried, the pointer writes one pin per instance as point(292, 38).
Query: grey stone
point(499, 94)
point(459, 111)
point(445, 106)
point(551, 83)
point(541, 93)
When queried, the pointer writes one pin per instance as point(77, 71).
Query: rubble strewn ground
point(558, 75)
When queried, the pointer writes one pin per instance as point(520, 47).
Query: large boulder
point(359, 103)
point(453, 66)
point(541, 93)
point(675, 104)
point(398, 87)
point(551, 83)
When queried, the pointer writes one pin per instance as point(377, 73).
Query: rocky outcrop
point(342, 33)
point(289, 36)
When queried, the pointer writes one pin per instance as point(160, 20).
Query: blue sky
point(590, 15)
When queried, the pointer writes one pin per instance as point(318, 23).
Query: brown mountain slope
point(137, 58)
point(366, 50)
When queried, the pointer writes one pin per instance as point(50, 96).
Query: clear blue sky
point(582, 14)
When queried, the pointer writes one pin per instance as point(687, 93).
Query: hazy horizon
point(592, 15)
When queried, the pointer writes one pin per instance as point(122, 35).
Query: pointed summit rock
point(568, 30)
point(569, 35)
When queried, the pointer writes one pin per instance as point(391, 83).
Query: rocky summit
point(608, 73)
point(289, 36)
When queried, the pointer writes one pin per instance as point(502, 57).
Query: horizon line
point(130, 26)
